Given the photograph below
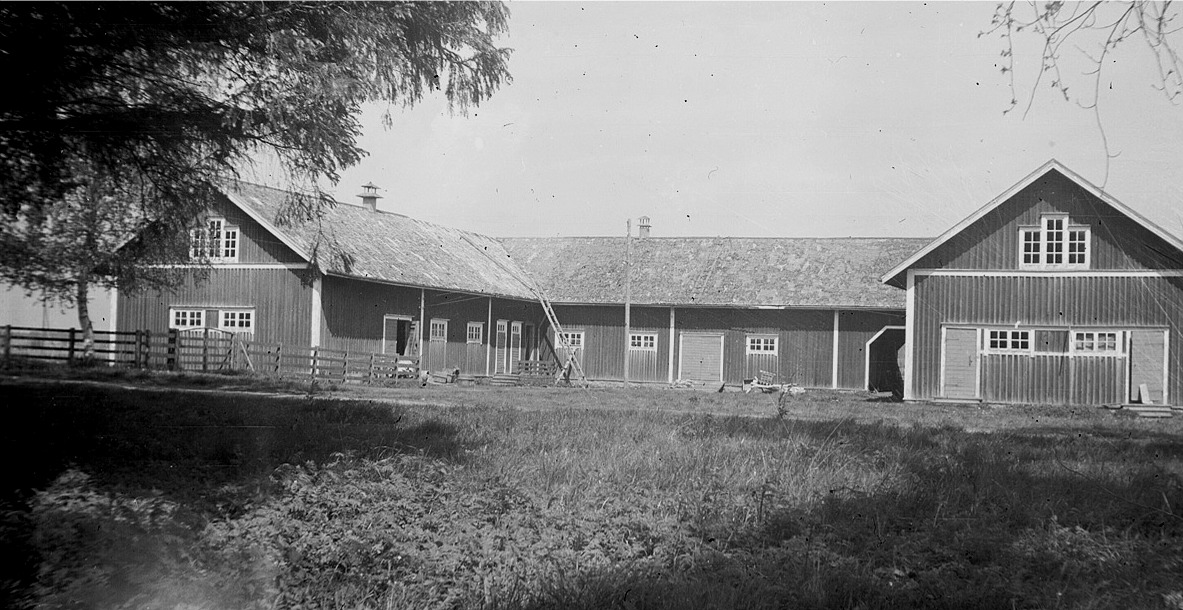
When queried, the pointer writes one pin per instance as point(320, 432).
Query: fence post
point(171, 358)
point(147, 349)
point(7, 344)
point(278, 360)
point(315, 352)
point(135, 350)
point(70, 352)
point(205, 350)
point(370, 373)
point(344, 367)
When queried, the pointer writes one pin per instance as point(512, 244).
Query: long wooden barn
point(382, 283)
point(1054, 292)
point(810, 311)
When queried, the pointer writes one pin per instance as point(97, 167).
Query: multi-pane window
point(1054, 244)
point(1031, 247)
point(572, 339)
point(761, 345)
point(1009, 340)
point(438, 330)
point(215, 240)
point(642, 341)
point(238, 320)
point(1090, 342)
point(1077, 247)
point(184, 319)
point(476, 332)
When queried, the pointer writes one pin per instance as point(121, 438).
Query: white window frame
point(189, 313)
point(442, 325)
point(573, 339)
point(1086, 342)
point(762, 345)
point(479, 328)
point(237, 326)
point(1043, 246)
point(642, 342)
point(1011, 337)
point(221, 249)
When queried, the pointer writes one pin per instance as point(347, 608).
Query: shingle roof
point(726, 271)
point(391, 247)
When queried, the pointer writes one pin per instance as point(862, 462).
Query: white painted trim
point(1012, 191)
point(391, 316)
point(468, 333)
point(642, 335)
point(266, 224)
point(670, 369)
point(489, 342)
point(978, 359)
point(1166, 367)
point(834, 367)
point(217, 265)
point(722, 346)
point(980, 334)
point(1140, 273)
point(867, 352)
point(419, 331)
point(909, 334)
point(514, 325)
point(314, 325)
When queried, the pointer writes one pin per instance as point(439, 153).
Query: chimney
point(643, 227)
point(369, 196)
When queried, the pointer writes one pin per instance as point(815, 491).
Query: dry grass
point(549, 498)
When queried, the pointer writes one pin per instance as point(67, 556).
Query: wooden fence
point(203, 350)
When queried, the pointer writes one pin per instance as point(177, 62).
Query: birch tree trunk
point(84, 321)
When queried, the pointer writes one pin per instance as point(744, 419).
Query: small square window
point(1009, 340)
point(572, 339)
point(238, 320)
point(762, 344)
point(439, 330)
point(184, 319)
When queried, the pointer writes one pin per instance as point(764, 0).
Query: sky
point(767, 119)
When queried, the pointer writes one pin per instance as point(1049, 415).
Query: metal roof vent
point(369, 196)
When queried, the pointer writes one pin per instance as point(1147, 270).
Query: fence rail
point(204, 350)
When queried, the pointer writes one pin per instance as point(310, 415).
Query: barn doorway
point(399, 335)
point(701, 357)
point(884, 370)
point(1148, 361)
point(959, 371)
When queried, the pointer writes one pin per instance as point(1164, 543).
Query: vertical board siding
point(855, 328)
point(283, 305)
point(1019, 378)
point(993, 241)
point(762, 362)
point(1100, 380)
point(1062, 302)
point(255, 244)
point(643, 365)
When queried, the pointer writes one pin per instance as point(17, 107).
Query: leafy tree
point(1095, 30)
point(126, 116)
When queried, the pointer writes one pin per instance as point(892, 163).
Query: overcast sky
point(764, 119)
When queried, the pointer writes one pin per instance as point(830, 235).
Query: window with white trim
point(438, 330)
point(762, 344)
point(572, 339)
point(238, 320)
point(215, 240)
point(646, 342)
point(186, 319)
point(1094, 342)
point(1054, 244)
point(1009, 341)
point(476, 332)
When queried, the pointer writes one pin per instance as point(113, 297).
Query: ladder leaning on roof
point(572, 363)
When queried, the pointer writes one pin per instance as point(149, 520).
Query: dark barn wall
point(855, 328)
point(1056, 302)
point(604, 338)
point(353, 312)
point(992, 242)
point(282, 303)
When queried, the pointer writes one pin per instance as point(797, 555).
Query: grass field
point(539, 498)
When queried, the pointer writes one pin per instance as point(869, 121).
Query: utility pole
point(628, 289)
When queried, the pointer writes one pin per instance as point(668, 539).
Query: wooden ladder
point(572, 363)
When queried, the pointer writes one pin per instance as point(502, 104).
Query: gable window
point(215, 240)
point(1054, 244)
point(186, 319)
point(238, 320)
point(439, 330)
point(642, 342)
point(476, 332)
point(1009, 341)
point(1091, 342)
point(761, 344)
